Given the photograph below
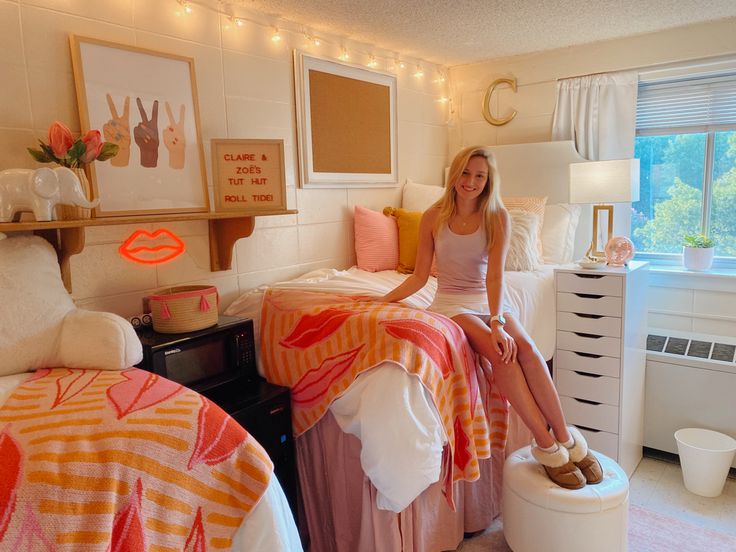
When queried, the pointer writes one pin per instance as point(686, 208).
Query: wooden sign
point(248, 175)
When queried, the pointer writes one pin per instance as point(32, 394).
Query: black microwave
point(204, 358)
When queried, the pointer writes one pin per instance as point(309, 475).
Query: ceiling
point(464, 31)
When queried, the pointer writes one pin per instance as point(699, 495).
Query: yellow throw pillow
point(408, 223)
point(532, 205)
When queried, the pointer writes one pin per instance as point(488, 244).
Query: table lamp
point(599, 183)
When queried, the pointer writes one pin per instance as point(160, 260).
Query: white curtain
point(598, 112)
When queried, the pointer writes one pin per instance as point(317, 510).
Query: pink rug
point(653, 532)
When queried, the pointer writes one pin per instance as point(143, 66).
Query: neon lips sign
point(152, 248)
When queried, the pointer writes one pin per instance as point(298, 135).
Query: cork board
point(351, 131)
point(346, 118)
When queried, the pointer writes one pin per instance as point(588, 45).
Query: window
point(686, 145)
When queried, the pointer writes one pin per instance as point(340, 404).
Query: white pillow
point(523, 255)
point(40, 327)
point(419, 197)
point(558, 232)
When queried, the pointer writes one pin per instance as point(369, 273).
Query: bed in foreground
point(95, 455)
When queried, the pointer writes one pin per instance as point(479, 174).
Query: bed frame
point(542, 169)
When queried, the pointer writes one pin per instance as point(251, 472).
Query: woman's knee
point(525, 348)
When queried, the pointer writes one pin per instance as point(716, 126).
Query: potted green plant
point(697, 252)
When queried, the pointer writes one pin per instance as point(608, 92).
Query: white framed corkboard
point(346, 124)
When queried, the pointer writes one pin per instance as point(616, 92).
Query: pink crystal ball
point(619, 250)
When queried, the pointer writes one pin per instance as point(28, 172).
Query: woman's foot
point(558, 466)
point(583, 458)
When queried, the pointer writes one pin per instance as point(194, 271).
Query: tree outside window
point(672, 201)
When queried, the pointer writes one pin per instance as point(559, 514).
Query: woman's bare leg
point(510, 379)
point(538, 378)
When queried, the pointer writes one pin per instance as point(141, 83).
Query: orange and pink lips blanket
point(318, 343)
point(122, 461)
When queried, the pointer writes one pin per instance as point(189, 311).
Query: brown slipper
point(584, 458)
point(559, 468)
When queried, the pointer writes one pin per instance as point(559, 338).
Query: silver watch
point(497, 318)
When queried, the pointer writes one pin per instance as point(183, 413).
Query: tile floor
point(656, 485)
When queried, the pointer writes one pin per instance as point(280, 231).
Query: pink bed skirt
point(338, 502)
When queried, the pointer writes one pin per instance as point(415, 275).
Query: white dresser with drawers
point(600, 357)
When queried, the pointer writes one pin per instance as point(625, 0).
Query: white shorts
point(453, 304)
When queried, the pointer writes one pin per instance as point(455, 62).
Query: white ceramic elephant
point(39, 191)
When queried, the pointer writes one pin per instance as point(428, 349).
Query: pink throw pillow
point(376, 240)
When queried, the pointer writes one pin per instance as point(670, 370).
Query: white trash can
point(705, 457)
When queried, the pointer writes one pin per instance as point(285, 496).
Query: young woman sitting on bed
point(468, 230)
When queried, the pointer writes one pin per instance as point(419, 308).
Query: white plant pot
point(697, 258)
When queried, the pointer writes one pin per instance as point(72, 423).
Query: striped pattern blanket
point(122, 461)
point(318, 343)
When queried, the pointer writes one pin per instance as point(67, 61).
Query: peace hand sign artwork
point(117, 131)
point(175, 139)
point(146, 135)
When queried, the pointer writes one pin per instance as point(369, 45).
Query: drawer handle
point(594, 316)
point(587, 355)
point(276, 410)
point(589, 295)
point(587, 335)
point(586, 401)
point(587, 374)
point(593, 276)
point(586, 428)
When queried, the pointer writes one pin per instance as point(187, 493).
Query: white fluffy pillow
point(558, 232)
point(40, 327)
point(523, 255)
point(419, 197)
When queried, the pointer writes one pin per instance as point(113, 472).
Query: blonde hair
point(490, 197)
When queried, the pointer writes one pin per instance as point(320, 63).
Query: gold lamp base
point(600, 239)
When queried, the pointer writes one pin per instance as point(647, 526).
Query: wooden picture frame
point(248, 175)
point(146, 101)
point(346, 124)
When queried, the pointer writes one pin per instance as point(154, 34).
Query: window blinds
point(687, 105)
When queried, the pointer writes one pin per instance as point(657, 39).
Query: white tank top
point(462, 261)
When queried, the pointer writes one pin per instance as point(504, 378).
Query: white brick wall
point(245, 90)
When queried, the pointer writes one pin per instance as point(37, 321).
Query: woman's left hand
point(504, 344)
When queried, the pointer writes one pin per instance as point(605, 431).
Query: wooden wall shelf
point(67, 236)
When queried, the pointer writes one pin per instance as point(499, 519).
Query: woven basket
point(184, 308)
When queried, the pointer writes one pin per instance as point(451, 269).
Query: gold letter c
point(487, 100)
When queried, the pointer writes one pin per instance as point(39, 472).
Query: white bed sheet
point(389, 398)
point(270, 526)
point(530, 293)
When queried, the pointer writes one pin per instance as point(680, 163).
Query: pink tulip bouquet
point(67, 152)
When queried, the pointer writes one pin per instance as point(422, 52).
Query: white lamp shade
point(612, 181)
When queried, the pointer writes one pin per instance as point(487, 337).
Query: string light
point(225, 8)
point(312, 39)
point(186, 5)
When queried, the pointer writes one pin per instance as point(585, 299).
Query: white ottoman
point(540, 516)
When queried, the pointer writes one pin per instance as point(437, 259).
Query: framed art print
point(146, 102)
point(346, 124)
